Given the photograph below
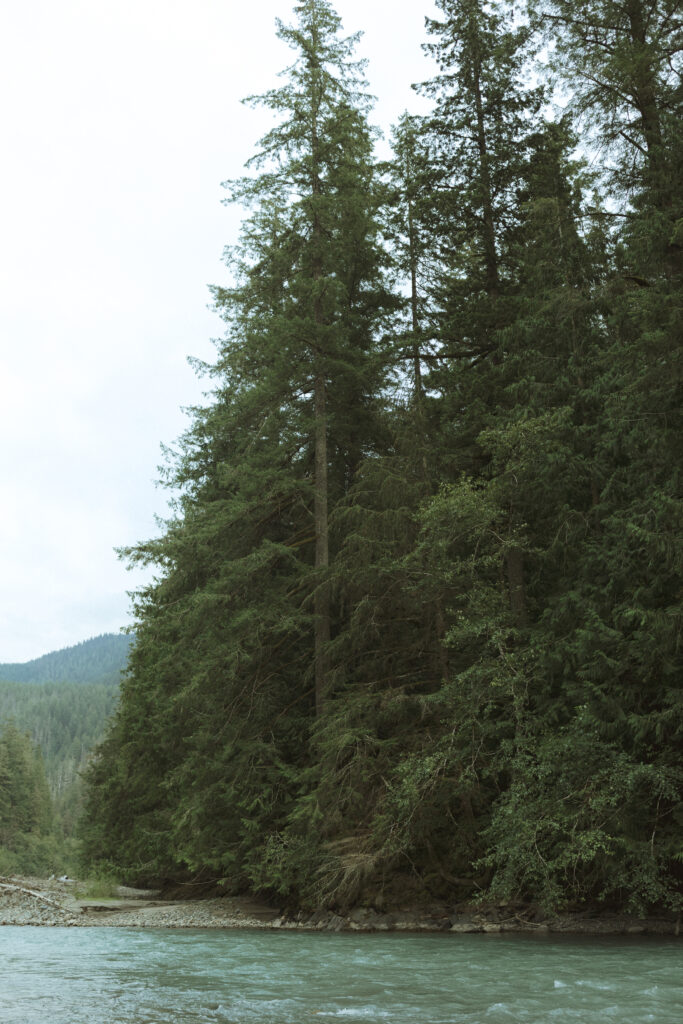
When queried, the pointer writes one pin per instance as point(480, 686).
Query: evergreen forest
point(414, 631)
point(95, 661)
point(26, 841)
point(53, 711)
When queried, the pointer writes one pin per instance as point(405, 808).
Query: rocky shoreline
point(55, 903)
point(492, 920)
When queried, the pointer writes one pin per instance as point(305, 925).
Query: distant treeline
point(99, 660)
point(57, 723)
point(26, 841)
point(415, 627)
point(65, 721)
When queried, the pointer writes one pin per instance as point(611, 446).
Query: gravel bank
point(51, 904)
point(25, 901)
point(18, 908)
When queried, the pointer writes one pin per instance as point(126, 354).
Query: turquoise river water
point(147, 976)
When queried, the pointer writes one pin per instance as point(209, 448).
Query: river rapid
point(155, 976)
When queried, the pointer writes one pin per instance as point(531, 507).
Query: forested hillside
point(26, 841)
point(98, 660)
point(65, 721)
point(59, 704)
point(415, 627)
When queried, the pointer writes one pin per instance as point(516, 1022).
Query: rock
point(360, 915)
point(407, 924)
point(317, 918)
point(385, 922)
point(439, 924)
point(336, 923)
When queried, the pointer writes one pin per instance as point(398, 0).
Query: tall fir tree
point(231, 663)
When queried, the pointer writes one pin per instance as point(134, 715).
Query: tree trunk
point(321, 602)
point(644, 88)
point(322, 550)
point(414, 307)
point(489, 234)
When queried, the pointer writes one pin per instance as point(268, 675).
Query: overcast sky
point(120, 119)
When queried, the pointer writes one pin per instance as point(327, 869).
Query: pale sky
point(120, 119)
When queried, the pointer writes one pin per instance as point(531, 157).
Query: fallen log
point(9, 887)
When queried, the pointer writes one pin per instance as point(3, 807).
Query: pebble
point(18, 908)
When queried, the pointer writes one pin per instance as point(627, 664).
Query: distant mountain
point(99, 660)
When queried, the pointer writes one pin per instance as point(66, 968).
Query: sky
point(119, 120)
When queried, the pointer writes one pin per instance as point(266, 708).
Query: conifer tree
point(409, 217)
point(477, 137)
point(320, 155)
point(388, 649)
point(231, 663)
point(623, 61)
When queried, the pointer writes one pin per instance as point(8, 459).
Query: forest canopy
point(415, 625)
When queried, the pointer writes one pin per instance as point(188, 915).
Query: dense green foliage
point(417, 620)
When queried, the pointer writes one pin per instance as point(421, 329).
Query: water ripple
point(100, 976)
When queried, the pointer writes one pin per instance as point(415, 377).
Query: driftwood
point(9, 887)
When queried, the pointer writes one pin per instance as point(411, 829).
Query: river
point(150, 976)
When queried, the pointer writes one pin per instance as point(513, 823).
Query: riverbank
point(54, 902)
